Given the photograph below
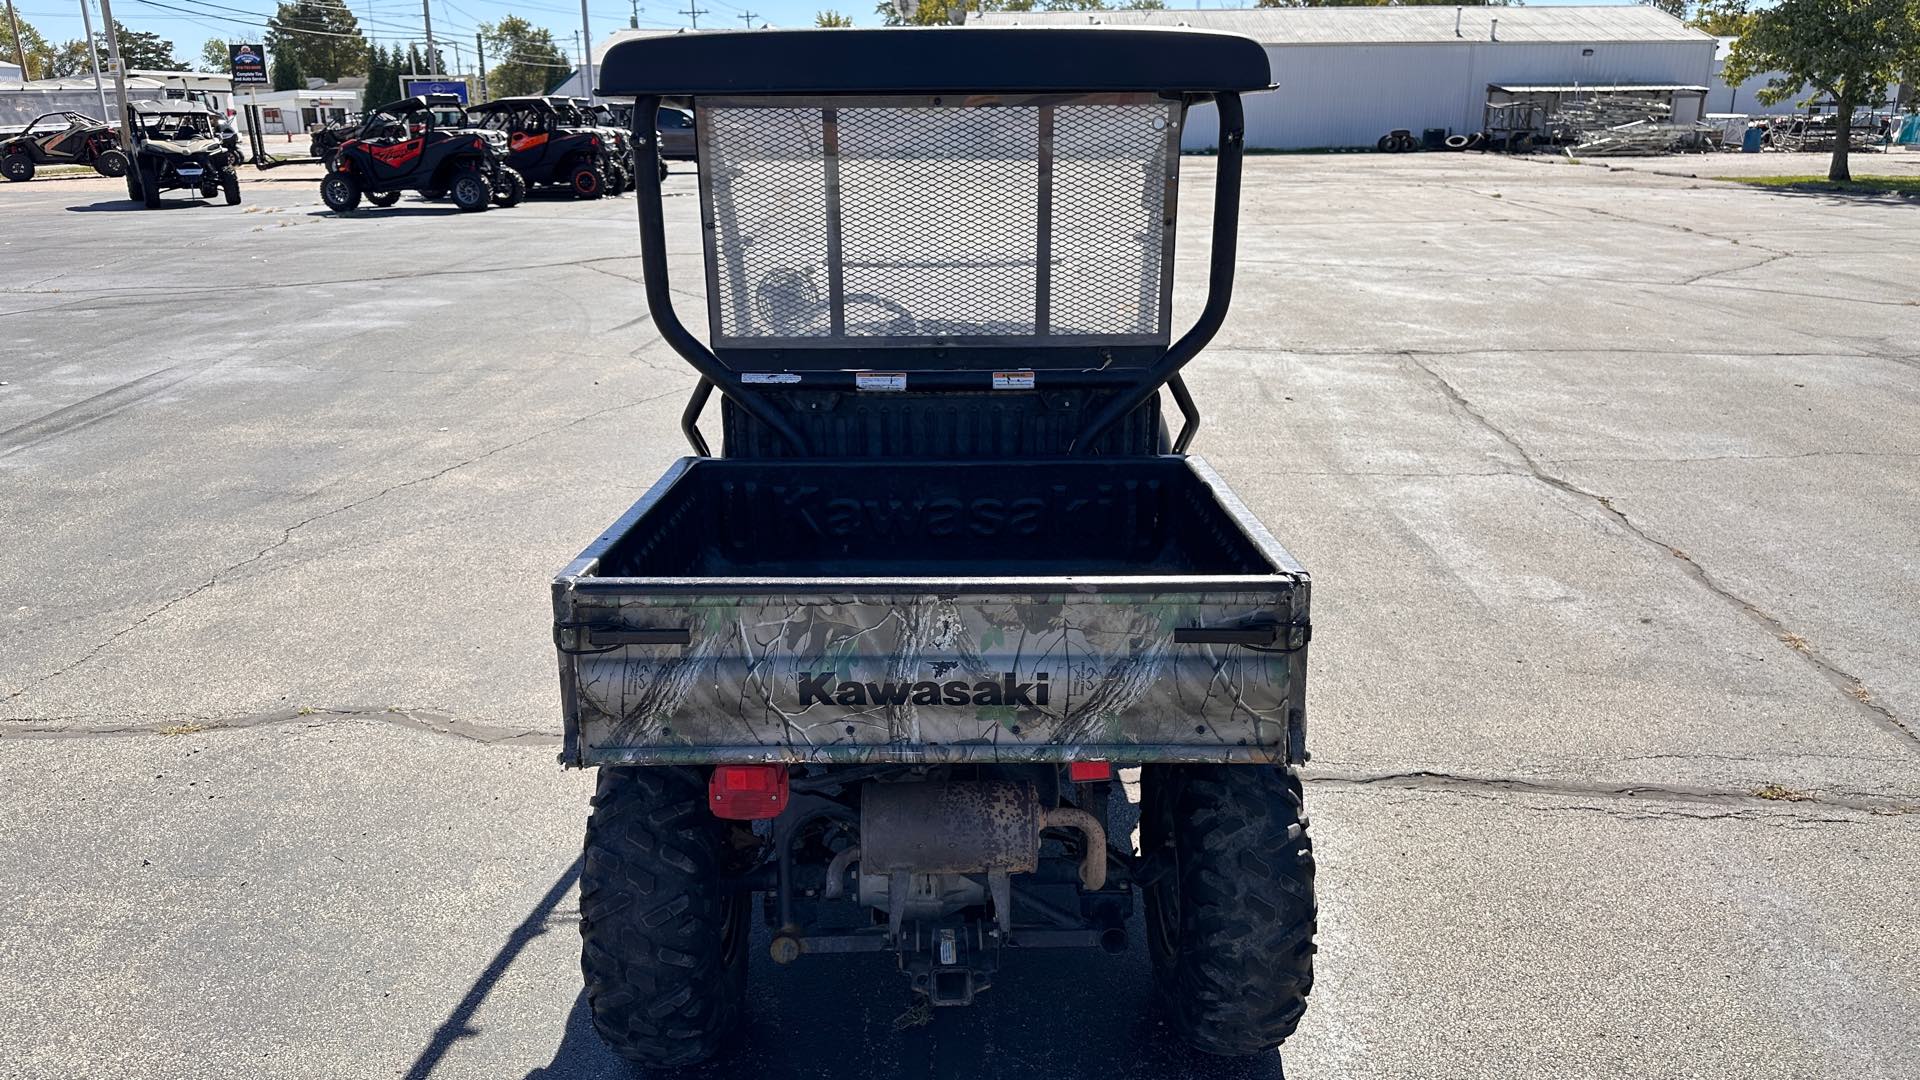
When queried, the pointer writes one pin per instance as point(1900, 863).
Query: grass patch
point(182, 729)
point(1859, 185)
point(1778, 793)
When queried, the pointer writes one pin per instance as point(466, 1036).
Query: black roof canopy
point(982, 60)
point(528, 101)
point(421, 103)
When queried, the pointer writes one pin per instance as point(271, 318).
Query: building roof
point(1599, 88)
point(1389, 25)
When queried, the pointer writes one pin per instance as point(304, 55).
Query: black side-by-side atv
point(424, 144)
point(553, 147)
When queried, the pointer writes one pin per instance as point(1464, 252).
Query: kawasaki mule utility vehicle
point(423, 144)
point(180, 144)
point(874, 668)
point(62, 138)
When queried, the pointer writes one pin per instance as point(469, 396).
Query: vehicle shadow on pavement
point(391, 211)
point(1060, 1015)
point(129, 204)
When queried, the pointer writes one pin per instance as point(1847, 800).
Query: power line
point(694, 13)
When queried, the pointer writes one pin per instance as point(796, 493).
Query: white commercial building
point(1344, 76)
point(574, 83)
point(296, 112)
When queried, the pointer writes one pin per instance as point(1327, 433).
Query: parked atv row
point(62, 138)
point(478, 155)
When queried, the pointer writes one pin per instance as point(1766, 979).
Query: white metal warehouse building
point(1347, 75)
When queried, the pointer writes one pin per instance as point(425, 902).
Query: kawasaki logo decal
point(822, 690)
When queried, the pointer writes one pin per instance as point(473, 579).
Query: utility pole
point(480, 50)
point(426, 12)
point(693, 13)
point(748, 17)
point(93, 54)
point(19, 50)
point(635, 21)
point(586, 34)
point(119, 83)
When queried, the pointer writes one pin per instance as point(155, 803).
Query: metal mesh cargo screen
point(928, 220)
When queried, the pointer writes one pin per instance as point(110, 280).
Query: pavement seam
point(286, 536)
point(1753, 799)
point(1847, 683)
point(428, 721)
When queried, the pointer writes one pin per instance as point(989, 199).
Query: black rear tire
point(510, 188)
point(111, 163)
point(1230, 914)
point(230, 187)
point(383, 198)
point(663, 166)
point(471, 191)
point(341, 192)
point(16, 167)
point(663, 935)
point(133, 186)
point(150, 184)
point(587, 181)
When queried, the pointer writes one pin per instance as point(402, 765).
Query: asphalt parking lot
point(1607, 480)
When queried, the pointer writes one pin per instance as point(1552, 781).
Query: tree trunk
point(1843, 130)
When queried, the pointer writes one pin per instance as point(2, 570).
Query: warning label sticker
point(1013, 380)
point(880, 380)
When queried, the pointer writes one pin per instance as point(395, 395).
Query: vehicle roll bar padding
point(1226, 232)
point(653, 274)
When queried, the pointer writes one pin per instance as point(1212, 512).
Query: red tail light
point(747, 792)
point(1082, 772)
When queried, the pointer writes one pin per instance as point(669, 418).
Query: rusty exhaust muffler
point(967, 828)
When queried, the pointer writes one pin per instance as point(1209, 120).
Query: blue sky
point(399, 20)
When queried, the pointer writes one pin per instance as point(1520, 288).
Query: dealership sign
point(249, 63)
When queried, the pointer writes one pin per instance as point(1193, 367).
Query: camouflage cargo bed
point(908, 611)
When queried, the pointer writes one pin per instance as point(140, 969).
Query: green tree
point(286, 73)
point(1675, 8)
point(383, 77)
point(215, 57)
point(1847, 49)
point(331, 48)
point(526, 60)
point(142, 49)
point(1145, 5)
point(832, 19)
point(1722, 18)
point(39, 61)
point(71, 59)
point(943, 12)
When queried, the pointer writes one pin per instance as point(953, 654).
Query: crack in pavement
point(1773, 258)
point(1733, 457)
point(1463, 783)
point(430, 721)
point(1848, 684)
point(286, 535)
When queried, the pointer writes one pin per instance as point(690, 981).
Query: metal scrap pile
point(1606, 125)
